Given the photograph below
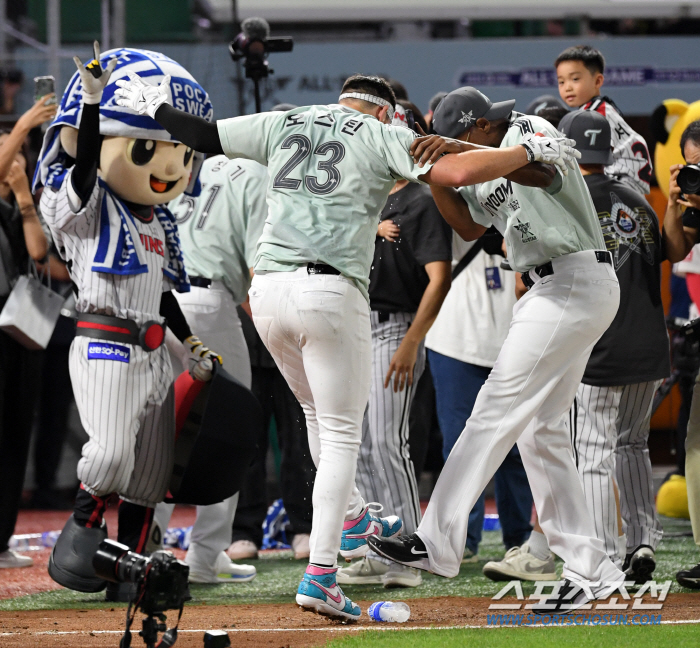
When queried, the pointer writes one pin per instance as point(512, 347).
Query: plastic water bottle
point(178, 537)
point(49, 538)
point(389, 611)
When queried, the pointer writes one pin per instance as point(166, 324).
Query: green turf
point(278, 578)
point(617, 637)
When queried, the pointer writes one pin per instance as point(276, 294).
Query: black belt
point(546, 269)
point(321, 268)
point(148, 336)
point(200, 282)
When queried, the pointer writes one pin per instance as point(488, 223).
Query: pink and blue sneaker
point(355, 532)
point(319, 592)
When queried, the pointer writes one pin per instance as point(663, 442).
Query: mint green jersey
point(538, 224)
point(331, 170)
point(219, 230)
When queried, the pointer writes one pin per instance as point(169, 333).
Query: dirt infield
point(268, 626)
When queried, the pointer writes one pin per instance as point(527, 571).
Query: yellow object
point(668, 122)
point(672, 499)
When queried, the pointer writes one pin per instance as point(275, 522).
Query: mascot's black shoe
point(120, 592)
point(70, 563)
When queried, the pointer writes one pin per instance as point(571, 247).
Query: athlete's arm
point(404, 359)
point(196, 132)
point(171, 311)
point(430, 148)
point(456, 212)
point(679, 239)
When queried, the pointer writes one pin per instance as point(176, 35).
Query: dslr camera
point(689, 179)
point(161, 584)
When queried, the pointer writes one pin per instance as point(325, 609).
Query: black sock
point(134, 525)
point(89, 509)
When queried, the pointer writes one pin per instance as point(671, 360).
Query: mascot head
point(668, 122)
point(139, 160)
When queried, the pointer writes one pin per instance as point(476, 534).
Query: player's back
point(331, 169)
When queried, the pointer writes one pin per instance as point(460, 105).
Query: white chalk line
point(349, 628)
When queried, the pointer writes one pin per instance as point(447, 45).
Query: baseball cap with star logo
point(460, 109)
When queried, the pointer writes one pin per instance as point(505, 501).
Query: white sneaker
point(225, 571)
point(300, 546)
point(362, 572)
point(402, 576)
point(520, 564)
point(469, 557)
point(242, 550)
point(10, 559)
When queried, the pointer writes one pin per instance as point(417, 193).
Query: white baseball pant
point(128, 412)
point(212, 316)
point(610, 440)
point(384, 469)
point(526, 399)
point(317, 329)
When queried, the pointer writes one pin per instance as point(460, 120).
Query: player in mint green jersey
point(331, 170)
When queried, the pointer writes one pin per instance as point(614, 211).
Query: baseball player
point(553, 237)
point(219, 232)
point(331, 170)
point(612, 411)
point(408, 281)
point(122, 247)
point(580, 78)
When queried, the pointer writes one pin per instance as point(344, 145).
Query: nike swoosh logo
point(373, 528)
point(532, 570)
point(417, 553)
point(337, 597)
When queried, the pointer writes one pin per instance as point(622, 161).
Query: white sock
point(538, 545)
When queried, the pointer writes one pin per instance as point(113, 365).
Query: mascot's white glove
point(140, 96)
point(93, 77)
point(201, 359)
point(559, 151)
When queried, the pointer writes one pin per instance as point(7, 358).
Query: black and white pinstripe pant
point(610, 430)
point(385, 472)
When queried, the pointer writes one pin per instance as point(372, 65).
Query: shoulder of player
point(603, 188)
point(524, 125)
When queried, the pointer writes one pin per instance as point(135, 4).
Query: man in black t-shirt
point(613, 404)
point(409, 279)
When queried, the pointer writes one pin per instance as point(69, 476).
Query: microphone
point(256, 29)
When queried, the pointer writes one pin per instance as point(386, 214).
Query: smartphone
point(44, 85)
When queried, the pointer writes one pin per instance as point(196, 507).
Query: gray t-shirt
point(538, 224)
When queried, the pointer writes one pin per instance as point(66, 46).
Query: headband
point(370, 98)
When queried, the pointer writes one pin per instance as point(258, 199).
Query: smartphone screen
point(44, 85)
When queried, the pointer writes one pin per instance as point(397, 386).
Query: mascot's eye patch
point(141, 151)
point(188, 155)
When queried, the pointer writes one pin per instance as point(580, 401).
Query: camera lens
point(689, 179)
point(114, 562)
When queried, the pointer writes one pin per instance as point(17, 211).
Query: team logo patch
point(525, 232)
point(108, 351)
point(627, 231)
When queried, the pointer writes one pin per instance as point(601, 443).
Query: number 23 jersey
point(331, 170)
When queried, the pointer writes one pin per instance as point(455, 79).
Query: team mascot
point(108, 175)
point(668, 122)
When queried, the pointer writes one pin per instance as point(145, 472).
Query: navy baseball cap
point(460, 109)
point(592, 134)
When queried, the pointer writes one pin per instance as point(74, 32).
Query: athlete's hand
point(388, 230)
point(402, 365)
point(559, 151)
point(93, 77)
point(140, 96)
point(428, 149)
point(201, 359)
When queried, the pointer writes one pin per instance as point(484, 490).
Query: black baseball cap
point(592, 134)
point(543, 101)
point(460, 109)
